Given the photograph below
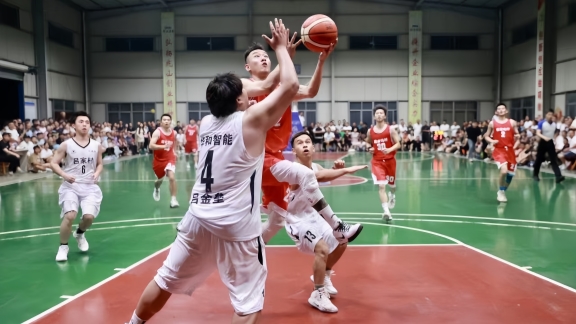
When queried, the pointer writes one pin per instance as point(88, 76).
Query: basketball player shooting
point(164, 162)
point(222, 228)
point(82, 169)
point(502, 132)
point(279, 173)
point(384, 142)
point(306, 228)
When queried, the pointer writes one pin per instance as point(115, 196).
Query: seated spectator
point(37, 164)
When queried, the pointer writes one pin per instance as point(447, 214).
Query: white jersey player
point(222, 228)
point(82, 168)
point(308, 229)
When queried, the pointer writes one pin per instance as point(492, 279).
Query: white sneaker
point(387, 216)
point(187, 166)
point(345, 232)
point(82, 243)
point(156, 194)
point(328, 286)
point(392, 200)
point(62, 254)
point(321, 300)
point(501, 196)
point(174, 203)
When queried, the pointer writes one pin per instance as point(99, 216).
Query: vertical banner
point(540, 60)
point(415, 67)
point(296, 125)
point(168, 64)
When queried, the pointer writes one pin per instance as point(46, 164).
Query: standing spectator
point(472, 132)
point(545, 132)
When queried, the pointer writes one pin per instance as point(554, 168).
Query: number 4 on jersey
point(206, 175)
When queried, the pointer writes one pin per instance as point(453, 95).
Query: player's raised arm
point(155, 136)
point(325, 175)
point(488, 135)
point(311, 89)
point(265, 114)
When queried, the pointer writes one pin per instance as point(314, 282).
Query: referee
point(545, 131)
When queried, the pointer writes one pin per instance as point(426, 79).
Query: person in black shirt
point(425, 136)
point(472, 132)
point(8, 156)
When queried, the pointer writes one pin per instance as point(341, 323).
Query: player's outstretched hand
point(324, 54)
point(339, 164)
point(371, 150)
point(279, 34)
point(291, 45)
point(355, 168)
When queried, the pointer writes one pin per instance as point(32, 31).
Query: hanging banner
point(540, 60)
point(415, 67)
point(168, 64)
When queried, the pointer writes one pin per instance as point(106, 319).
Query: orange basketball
point(318, 32)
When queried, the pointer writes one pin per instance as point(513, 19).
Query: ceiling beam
point(107, 13)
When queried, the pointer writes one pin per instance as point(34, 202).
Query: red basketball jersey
point(504, 134)
point(278, 137)
point(191, 133)
point(166, 155)
point(380, 142)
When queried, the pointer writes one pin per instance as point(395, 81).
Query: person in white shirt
point(417, 129)
point(454, 129)
point(347, 127)
point(402, 127)
point(46, 153)
point(27, 144)
point(329, 138)
point(302, 119)
point(13, 132)
point(445, 127)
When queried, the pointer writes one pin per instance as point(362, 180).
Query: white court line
point(119, 269)
point(481, 252)
point(373, 245)
point(66, 296)
point(344, 213)
point(84, 292)
point(527, 267)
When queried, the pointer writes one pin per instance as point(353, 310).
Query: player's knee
point(70, 216)
point(321, 249)
point(382, 187)
point(88, 217)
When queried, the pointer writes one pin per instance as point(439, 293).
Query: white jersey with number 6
point(81, 160)
point(226, 195)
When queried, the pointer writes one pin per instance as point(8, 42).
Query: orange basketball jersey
point(278, 137)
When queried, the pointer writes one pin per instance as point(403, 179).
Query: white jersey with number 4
point(226, 195)
point(81, 160)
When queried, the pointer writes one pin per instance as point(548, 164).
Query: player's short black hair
point(79, 114)
point(254, 46)
point(165, 115)
point(501, 104)
point(381, 107)
point(300, 133)
point(222, 93)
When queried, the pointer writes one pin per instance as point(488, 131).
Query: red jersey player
point(191, 146)
point(164, 162)
point(278, 173)
point(384, 142)
point(501, 132)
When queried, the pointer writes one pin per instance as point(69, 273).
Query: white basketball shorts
point(309, 231)
point(195, 254)
point(87, 196)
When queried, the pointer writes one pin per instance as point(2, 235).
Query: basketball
point(318, 32)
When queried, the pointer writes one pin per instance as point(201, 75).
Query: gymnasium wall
point(64, 64)
point(565, 80)
point(359, 75)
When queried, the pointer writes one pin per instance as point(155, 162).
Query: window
point(364, 111)
point(453, 111)
point(210, 43)
point(373, 42)
point(571, 105)
point(9, 15)
point(572, 13)
point(454, 42)
point(520, 108)
point(197, 110)
point(130, 44)
point(309, 109)
point(524, 33)
point(131, 112)
point(62, 106)
point(61, 36)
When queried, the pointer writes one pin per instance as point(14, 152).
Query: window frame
point(354, 43)
point(16, 10)
point(454, 110)
point(308, 111)
point(129, 41)
point(197, 110)
point(391, 116)
point(520, 107)
point(453, 41)
point(129, 108)
point(54, 28)
point(210, 40)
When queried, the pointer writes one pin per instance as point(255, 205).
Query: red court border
point(511, 287)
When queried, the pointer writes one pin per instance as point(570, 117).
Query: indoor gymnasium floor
point(452, 255)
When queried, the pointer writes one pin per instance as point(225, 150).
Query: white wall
point(358, 75)
point(565, 56)
point(518, 61)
